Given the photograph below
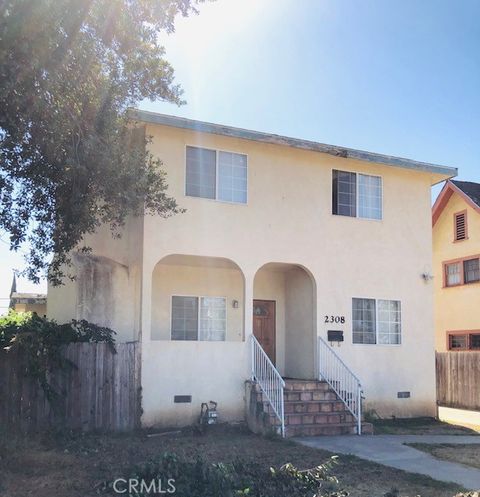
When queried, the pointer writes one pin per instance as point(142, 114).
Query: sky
point(400, 78)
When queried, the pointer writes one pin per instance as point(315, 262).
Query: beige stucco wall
point(453, 306)
point(300, 336)
point(106, 289)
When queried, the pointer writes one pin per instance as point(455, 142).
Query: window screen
point(344, 188)
point(475, 341)
point(471, 270)
point(389, 322)
point(458, 342)
point(201, 172)
point(369, 196)
point(184, 318)
point(364, 320)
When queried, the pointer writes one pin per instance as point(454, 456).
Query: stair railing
point(341, 379)
point(269, 380)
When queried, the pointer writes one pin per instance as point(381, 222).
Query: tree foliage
point(69, 70)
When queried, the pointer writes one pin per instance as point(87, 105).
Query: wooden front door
point(264, 325)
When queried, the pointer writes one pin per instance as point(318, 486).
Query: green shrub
point(40, 342)
point(200, 478)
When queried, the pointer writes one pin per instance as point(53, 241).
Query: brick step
point(306, 385)
point(304, 396)
point(309, 407)
point(313, 419)
point(315, 430)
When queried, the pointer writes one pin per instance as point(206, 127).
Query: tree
point(69, 71)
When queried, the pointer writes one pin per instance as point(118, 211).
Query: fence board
point(458, 379)
point(101, 393)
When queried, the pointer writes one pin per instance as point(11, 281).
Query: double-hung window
point(199, 318)
point(462, 272)
point(216, 175)
point(376, 321)
point(357, 195)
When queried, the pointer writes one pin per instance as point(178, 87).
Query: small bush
point(200, 478)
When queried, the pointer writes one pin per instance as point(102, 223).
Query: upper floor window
point(356, 195)
point(376, 321)
point(460, 226)
point(216, 175)
point(462, 272)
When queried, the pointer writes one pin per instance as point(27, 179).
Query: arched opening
point(197, 298)
point(284, 317)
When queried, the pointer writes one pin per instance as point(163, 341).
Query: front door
point(264, 325)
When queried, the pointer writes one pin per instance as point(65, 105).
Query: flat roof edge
point(259, 136)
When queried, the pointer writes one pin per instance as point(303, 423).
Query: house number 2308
point(335, 319)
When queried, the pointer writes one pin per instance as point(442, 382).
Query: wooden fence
point(101, 393)
point(458, 379)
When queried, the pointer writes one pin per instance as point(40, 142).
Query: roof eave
point(204, 127)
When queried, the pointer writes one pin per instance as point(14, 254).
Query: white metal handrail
point(269, 379)
point(341, 379)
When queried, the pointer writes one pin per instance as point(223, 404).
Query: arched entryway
point(284, 317)
point(197, 298)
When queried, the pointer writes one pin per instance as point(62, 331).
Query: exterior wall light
point(235, 304)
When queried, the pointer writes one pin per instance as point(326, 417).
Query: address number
point(335, 319)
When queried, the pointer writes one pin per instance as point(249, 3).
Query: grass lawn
point(466, 454)
point(418, 426)
point(75, 465)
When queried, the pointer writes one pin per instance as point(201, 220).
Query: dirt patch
point(418, 426)
point(76, 465)
point(466, 454)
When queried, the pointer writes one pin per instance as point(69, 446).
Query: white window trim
point(216, 174)
point(198, 317)
point(356, 194)
point(376, 323)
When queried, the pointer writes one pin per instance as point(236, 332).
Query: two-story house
point(456, 255)
point(317, 251)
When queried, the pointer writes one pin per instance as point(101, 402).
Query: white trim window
point(376, 321)
point(357, 195)
point(199, 318)
point(216, 175)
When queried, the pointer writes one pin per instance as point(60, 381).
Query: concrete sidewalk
point(390, 450)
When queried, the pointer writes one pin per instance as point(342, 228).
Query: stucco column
point(248, 306)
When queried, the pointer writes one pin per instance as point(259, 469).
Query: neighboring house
point(456, 255)
point(27, 302)
point(293, 241)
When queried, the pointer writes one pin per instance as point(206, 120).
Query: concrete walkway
point(390, 450)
